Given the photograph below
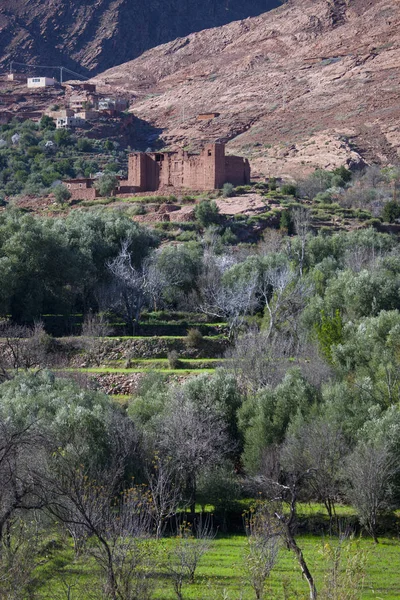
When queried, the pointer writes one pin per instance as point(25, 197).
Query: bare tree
point(370, 470)
point(222, 300)
point(165, 492)
point(194, 438)
point(302, 220)
point(95, 330)
point(284, 296)
point(20, 448)
point(282, 489)
point(319, 449)
point(263, 539)
point(88, 495)
point(20, 557)
point(191, 543)
point(135, 287)
point(273, 284)
point(128, 293)
point(271, 243)
point(23, 348)
point(256, 360)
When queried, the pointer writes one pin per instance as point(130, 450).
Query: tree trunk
point(292, 544)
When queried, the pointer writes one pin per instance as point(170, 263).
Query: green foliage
point(329, 332)
point(180, 267)
point(194, 338)
point(47, 123)
point(272, 183)
point(84, 145)
point(51, 265)
point(61, 194)
point(58, 407)
point(106, 184)
point(391, 211)
point(207, 213)
point(286, 222)
point(62, 137)
point(228, 190)
point(264, 418)
point(288, 189)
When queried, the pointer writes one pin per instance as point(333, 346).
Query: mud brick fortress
point(209, 170)
point(153, 171)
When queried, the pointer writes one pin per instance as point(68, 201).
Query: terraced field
point(116, 363)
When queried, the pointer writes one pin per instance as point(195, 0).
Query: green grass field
point(221, 576)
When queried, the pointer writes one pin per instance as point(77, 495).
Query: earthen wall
point(84, 193)
point(237, 170)
point(207, 171)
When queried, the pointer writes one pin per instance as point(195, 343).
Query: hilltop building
point(209, 170)
point(41, 82)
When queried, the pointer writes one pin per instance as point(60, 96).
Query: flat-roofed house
point(41, 82)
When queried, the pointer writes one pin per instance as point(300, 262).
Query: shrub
point(84, 145)
point(391, 211)
point(47, 122)
point(194, 338)
point(139, 209)
point(323, 198)
point(173, 360)
point(288, 189)
point(228, 237)
point(286, 221)
point(228, 190)
point(61, 194)
point(207, 213)
point(106, 184)
point(241, 189)
point(272, 183)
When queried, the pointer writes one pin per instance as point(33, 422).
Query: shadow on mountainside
point(143, 135)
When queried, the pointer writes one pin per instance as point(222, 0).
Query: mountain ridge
point(89, 37)
point(309, 73)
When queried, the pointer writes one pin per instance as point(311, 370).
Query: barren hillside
point(312, 83)
point(90, 36)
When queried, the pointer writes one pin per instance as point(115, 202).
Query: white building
point(68, 122)
point(41, 82)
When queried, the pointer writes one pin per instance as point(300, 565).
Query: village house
point(41, 82)
point(82, 188)
point(87, 114)
point(16, 77)
point(60, 113)
point(78, 102)
point(81, 86)
point(116, 104)
point(69, 122)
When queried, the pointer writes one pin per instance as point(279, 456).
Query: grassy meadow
point(221, 574)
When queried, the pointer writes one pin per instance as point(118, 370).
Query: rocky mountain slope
point(312, 83)
point(93, 35)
